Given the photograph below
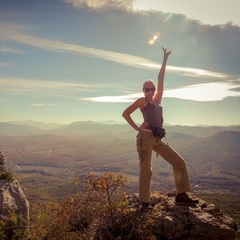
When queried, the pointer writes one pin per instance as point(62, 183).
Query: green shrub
point(14, 227)
point(7, 175)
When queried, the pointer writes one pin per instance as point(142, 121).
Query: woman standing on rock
point(149, 139)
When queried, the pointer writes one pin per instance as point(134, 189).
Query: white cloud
point(227, 11)
point(208, 12)
point(125, 59)
point(200, 92)
point(113, 99)
point(102, 4)
point(204, 92)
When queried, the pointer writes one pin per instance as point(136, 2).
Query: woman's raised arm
point(160, 87)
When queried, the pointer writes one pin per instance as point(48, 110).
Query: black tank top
point(153, 114)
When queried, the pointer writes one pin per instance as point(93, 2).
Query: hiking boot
point(184, 199)
point(146, 207)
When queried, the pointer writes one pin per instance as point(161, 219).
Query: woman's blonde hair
point(147, 82)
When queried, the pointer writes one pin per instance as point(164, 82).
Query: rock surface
point(167, 221)
point(200, 222)
point(12, 197)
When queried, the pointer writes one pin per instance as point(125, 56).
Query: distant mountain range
point(37, 124)
point(22, 128)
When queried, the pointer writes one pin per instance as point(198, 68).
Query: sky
point(65, 61)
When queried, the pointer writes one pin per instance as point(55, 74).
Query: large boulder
point(168, 221)
point(12, 197)
point(200, 222)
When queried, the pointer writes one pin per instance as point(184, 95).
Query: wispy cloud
point(121, 58)
point(42, 105)
point(10, 50)
point(200, 92)
point(35, 87)
point(193, 72)
point(114, 99)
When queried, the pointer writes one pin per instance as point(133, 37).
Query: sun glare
point(154, 38)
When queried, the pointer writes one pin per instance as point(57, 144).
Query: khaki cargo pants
point(146, 143)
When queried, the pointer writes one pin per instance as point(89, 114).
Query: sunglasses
point(150, 89)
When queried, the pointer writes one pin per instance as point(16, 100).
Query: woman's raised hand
point(166, 54)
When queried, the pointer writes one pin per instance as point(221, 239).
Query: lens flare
point(151, 41)
point(154, 38)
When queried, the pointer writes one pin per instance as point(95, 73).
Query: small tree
point(106, 192)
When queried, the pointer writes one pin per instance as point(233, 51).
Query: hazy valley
point(45, 158)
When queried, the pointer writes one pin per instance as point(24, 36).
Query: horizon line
point(114, 122)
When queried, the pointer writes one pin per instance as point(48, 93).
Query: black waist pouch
point(158, 132)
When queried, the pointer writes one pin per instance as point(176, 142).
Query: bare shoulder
point(139, 103)
point(142, 102)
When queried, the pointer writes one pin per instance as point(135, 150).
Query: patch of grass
point(7, 175)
